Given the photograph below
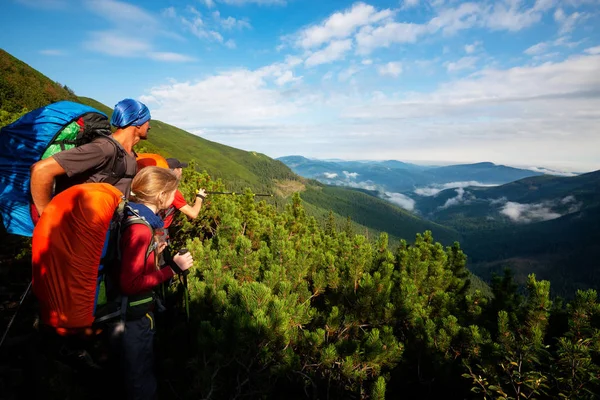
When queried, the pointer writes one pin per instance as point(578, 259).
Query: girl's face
point(169, 200)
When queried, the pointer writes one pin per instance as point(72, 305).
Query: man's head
point(176, 166)
point(132, 113)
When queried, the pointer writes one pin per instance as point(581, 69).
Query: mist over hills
point(397, 176)
point(528, 200)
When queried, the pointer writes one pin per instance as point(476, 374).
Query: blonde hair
point(153, 185)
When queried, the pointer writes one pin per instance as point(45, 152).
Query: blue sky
point(512, 81)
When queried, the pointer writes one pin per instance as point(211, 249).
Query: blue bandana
point(154, 220)
point(130, 112)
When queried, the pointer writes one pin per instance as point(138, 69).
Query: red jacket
point(138, 275)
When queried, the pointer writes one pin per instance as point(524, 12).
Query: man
point(180, 203)
point(106, 159)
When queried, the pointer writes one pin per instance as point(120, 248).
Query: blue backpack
point(33, 137)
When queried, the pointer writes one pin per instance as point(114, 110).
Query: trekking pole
point(241, 194)
point(186, 293)
point(15, 314)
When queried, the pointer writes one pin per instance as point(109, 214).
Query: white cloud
point(434, 189)
point(403, 201)
point(340, 25)
point(287, 77)
point(350, 175)
point(471, 48)
point(230, 44)
point(393, 68)
point(367, 61)
point(116, 43)
point(237, 101)
point(52, 52)
point(169, 57)
point(537, 48)
point(327, 76)
point(552, 172)
point(593, 50)
point(199, 28)
point(410, 3)
point(230, 23)
point(452, 20)
point(567, 22)
point(169, 12)
point(348, 73)
point(330, 175)
point(512, 16)
point(369, 38)
point(463, 63)
point(499, 201)
point(526, 213)
point(333, 52)
point(568, 199)
point(545, 88)
point(208, 3)
point(458, 199)
point(377, 29)
point(121, 12)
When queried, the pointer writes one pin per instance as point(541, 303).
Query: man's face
point(178, 172)
point(143, 130)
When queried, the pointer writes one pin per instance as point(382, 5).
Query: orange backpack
point(75, 241)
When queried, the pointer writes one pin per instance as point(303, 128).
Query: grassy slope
point(23, 89)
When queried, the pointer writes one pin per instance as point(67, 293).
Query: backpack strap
point(118, 225)
point(137, 219)
point(63, 143)
point(118, 168)
point(170, 211)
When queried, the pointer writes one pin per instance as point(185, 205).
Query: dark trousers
point(134, 348)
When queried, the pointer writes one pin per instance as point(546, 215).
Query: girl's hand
point(161, 247)
point(184, 261)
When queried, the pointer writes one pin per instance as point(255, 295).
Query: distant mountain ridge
point(398, 176)
point(543, 197)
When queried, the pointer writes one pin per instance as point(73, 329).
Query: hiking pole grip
point(182, 252)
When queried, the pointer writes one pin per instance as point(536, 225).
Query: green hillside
point(23, 89)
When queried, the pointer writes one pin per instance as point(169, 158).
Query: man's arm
point(42, 180)
point(192, 211)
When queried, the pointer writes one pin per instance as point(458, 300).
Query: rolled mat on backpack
point(67, 248)
point(150, 159)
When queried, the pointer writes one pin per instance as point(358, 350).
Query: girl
point(153, 189)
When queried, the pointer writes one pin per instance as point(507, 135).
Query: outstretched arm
point(193, 211)
point(42, 180)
